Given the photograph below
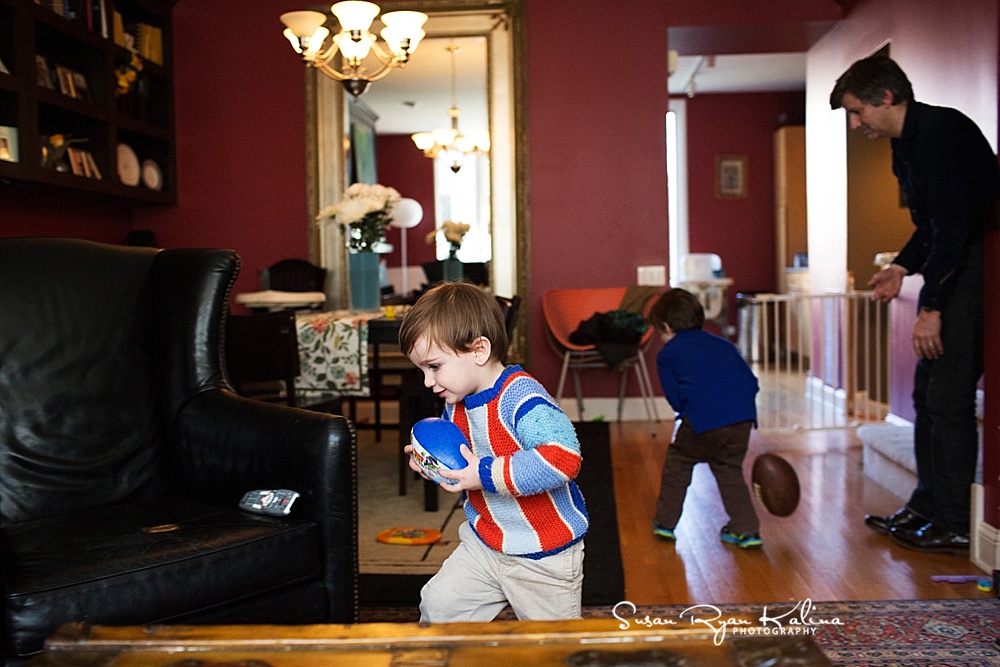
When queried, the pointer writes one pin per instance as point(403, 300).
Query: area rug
point(393, 574)
point(897, 633)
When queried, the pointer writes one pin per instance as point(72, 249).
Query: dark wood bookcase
point(61, 58)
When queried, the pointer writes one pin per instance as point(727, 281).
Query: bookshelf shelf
point(63, 107)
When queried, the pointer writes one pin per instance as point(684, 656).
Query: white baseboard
point(633, 409)
point(984, 547)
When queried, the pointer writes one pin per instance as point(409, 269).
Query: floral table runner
point(333, 353)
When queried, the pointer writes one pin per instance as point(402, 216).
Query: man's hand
point(887, 282)
point(927, 335)
point(468, 477)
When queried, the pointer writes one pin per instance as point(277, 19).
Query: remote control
point(273, 502)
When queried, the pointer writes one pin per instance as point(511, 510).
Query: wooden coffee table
point(575, 643)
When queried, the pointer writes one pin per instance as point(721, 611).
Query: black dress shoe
point(931, 539)
point(904, 518)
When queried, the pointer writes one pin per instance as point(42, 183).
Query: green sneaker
point(663, 533)
point(743, 541)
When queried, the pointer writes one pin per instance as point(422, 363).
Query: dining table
point(338, 349)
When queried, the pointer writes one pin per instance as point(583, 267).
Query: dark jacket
point(950, 178)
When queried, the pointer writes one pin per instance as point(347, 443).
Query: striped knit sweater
point(529, 505)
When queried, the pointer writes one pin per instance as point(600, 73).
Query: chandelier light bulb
point(423, 140)
point(305, 31)
point(403, 31)
point(354, 16)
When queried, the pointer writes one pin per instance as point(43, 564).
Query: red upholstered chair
point(564, 310)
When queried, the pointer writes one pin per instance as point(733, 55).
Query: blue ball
point(436, 444)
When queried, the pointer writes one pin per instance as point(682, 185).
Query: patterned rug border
point(877, 633)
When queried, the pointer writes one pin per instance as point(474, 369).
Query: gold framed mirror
point(327, 127)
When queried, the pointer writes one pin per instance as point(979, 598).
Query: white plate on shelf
point(152, 177)
point(128, 165)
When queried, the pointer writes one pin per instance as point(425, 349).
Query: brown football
point(775, 484)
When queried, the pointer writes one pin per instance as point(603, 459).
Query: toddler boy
point(523, 541)
point(713, 392)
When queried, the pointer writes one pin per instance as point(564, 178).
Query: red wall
point(740, 231)
point(402, 165)
point(240, 136)
point(598, 193)
point(29, 211)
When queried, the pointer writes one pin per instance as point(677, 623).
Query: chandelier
point(454, 144)
point(402, 33)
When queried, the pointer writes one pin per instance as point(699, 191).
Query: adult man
point(951, 180)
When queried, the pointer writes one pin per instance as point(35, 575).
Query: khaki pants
point(475, 583)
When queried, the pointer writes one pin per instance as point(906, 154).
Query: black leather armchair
point(123, 453)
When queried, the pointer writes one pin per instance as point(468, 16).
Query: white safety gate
point(821, 359)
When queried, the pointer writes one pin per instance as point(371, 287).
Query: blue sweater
point(529, 454)
point(706, 381)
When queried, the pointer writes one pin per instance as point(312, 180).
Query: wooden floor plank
point(823, 551)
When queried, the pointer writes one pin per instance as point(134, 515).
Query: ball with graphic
point(436, 444)
point(775, 484)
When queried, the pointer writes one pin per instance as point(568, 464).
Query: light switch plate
point(652, 275)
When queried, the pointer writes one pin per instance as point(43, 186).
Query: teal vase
point(452, 269)
point(363, 275)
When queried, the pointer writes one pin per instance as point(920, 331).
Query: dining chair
point(509, 306)
point(564, 310)
point(293, 275)
point(385, 362)
point(262, 360)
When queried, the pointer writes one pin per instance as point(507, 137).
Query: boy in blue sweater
point(522, 542)
point(713, 391)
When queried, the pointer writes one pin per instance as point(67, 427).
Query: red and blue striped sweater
point(529, 506)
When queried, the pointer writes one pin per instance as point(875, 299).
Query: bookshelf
point(86, 97)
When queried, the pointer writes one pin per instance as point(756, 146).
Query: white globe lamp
point(406, 214)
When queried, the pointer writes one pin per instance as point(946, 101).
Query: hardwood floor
point(822, 552)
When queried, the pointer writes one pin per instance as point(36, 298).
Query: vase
point(451, 269)
point(363, 277)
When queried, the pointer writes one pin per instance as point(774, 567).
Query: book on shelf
point(8, 144)
point(103, 20)
point(44, 76)
point(76, 162)
point(118, 28)
point(80, 87)
point(91, 164)
point(150, 44)
point(66, 85)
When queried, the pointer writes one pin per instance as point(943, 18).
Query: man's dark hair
point(869, 78)
point(678, 309)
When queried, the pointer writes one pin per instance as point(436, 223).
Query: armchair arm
point(224, 445)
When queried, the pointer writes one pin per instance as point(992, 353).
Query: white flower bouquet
point(453, 233)
point(363, 214)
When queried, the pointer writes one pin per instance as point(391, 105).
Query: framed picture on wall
point(730, 176)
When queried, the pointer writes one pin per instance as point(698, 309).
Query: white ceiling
point(417, 97)
point(757, 72)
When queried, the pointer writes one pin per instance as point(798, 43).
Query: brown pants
point(723, 449)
